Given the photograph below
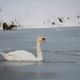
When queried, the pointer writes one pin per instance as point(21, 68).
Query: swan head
point(41, 39)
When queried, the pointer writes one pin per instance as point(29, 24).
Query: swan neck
point(39, 52)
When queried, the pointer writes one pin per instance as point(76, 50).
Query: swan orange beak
point(43, 39)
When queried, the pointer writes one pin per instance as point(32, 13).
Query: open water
point(61, 54)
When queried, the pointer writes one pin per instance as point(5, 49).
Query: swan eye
point(43, 39)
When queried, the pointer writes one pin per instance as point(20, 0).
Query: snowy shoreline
point(54, 27)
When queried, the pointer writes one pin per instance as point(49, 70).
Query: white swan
point(21, 55)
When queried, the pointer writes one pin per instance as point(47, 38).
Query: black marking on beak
point(43, 39)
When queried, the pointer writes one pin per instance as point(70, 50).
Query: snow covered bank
point(40, 13)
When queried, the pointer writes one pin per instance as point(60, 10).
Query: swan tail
point(2, 58)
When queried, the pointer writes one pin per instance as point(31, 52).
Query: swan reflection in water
point(10, 71)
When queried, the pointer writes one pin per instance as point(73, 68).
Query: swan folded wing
point(20, 55)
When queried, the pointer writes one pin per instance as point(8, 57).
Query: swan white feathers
point(21, 55)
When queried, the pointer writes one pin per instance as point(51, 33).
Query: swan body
point(21, 55)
